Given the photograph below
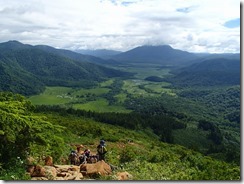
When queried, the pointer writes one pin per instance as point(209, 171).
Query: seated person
point(85, 156)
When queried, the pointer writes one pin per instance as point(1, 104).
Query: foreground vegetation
point(139, 152)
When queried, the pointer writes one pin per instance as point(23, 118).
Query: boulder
point(99, 168)
point(49, 161)
point(50, 172)
point(30, 169)
point(124, 176)
point(39, 171)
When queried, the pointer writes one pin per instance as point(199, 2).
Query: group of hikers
point(77, 158)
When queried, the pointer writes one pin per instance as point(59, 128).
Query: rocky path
point(71, 172)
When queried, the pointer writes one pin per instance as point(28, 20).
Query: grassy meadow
point(93, 99)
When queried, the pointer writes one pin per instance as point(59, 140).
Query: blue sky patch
point(183, 10)
point(232, 23)
point(126, 3)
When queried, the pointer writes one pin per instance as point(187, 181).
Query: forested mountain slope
point(72, 55)
point(26, 69)
point(212, 72)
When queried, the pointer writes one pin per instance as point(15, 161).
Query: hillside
point(212, 72)
point(26, 69)
point(164, 55)
point(137, 152)
point(73, 55)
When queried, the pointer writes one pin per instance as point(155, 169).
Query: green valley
point(98, 98)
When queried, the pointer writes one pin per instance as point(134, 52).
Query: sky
point(192, 25)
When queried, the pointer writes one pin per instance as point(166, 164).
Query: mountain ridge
point(102, 53)
point(163, 54)
point(41, 67)
point(216, 71)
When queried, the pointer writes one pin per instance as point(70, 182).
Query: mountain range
point(27, 69)
point(166, 55)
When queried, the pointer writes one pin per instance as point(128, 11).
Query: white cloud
point(192, 25)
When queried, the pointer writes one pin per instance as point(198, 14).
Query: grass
point(52, 96)
point(91, 99)
point(154, 88)
point(146, 70)
point(77, 98)
point(107, 83)
point(96, 91)
point(81, 97)
point(121, 97)
point(101, 105)
point(160, 88)
point(131, 86)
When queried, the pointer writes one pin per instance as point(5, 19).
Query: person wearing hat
point(101, 150)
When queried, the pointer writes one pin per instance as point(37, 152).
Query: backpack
point(101, 149)
point(73, 153)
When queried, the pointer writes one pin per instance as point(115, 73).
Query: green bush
point(15, 171)
point(23, 133)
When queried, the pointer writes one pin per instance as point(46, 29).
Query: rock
point(78, 148)
point(71, 176)
point(79, 176)
point(30, 169)
point(39, 171)
point(99, 168)
point(74, 168)
point(68, 175)
point(124, 176)
point(62, 174)
point(49, 161)
point(39, 178)
point(59, 178)
point(66, 168)
point(50, 172)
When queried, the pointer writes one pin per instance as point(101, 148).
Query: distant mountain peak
point(163, 46)
point(154, 47)
point(13, 44)
point(159, 54)
point(14, 41)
